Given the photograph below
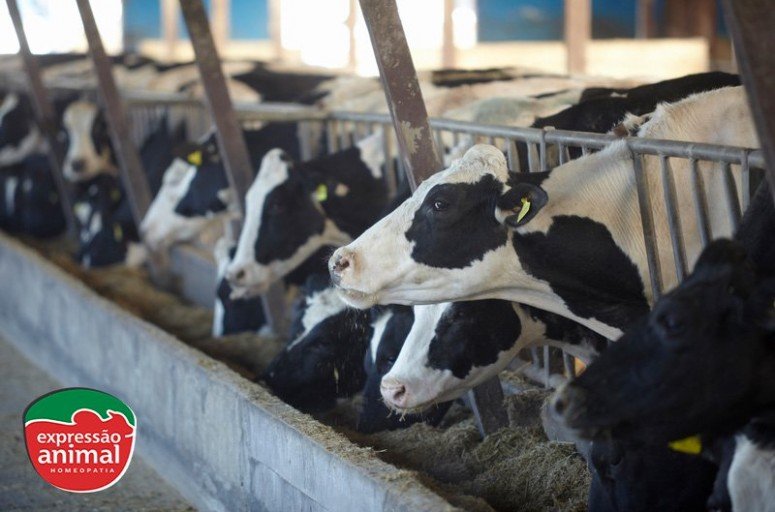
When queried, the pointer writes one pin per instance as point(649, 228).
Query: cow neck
point(360, 206)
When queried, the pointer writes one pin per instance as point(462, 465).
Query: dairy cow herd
point(413, 299)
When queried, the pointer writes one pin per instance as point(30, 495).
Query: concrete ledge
point(224, 442)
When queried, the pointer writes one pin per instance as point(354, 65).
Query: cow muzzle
point(341, 265)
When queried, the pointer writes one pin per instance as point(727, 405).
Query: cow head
point(295, 209)
point(433, 246)
point(19, 136)
point(194, 194)
point(231, 316)
point(391, 325)
point(324, 360)
point(451, 348)
point(89, 148)
point(701, 362)
point(646, 478)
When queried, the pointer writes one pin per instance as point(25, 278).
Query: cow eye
point(440, 205)
point(671, 323)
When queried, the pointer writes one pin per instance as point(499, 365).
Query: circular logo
point(79, 439)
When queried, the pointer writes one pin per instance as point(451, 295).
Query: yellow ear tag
point(118, 233)
point(321, 193)
point(195, 158)
point(524, 210)
point(691, 445)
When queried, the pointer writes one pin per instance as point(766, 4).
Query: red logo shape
point(88, 453)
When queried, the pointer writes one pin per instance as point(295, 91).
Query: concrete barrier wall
point(224, 442)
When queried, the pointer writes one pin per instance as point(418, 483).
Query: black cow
point(323, 361)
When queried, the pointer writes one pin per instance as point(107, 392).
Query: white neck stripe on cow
point(751, 478)
point(320, 305)
point(9, 103)
point(378, 326)
point(372, 153)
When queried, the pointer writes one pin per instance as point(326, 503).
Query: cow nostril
point(78, 165)
point(341, 263)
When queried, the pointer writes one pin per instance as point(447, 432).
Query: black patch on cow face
point(586, 269)
point(17, 123)
point(701, 362)
point(374, 415)
point(201, 198)
point(239, 315)
point(289, 218)
point(327, 364)
point(473, 333)
point(100, 136)
point(455, 225)
point(644, 479)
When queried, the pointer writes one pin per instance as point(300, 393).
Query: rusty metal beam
point(45, 115)
point(448, 48)
point(169, 27)
point(231, 142)
point(750, 24)
point(404, 97)
point(135, 182)
point(418, 150)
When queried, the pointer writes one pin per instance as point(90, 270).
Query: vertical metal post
point(645, 24)
point(418, 150)
point(135, 182)
point(448, 50)
point(275, 27)
point(404, 97)
point(750, 25)
point(169, 27)
point(45, 115)
point(234, 151)
point(578, 32)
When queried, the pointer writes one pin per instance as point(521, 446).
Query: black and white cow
point(195, 193)
point(391, 325)
point(453, 347)
point(19, 135)
point(324, 360)
point(568, 241)
point(295, 209)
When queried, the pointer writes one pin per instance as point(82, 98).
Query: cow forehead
point(379, 325)
point(426, 319)
point(80, 115)
point(273, 172)
point(479, 161)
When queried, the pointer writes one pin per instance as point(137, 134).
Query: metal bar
point(45, 115)
point(563, 152)
point(647, 220)
point(135, 182)
point(219, 13)
point(402, 89)
point(419, 156)
point(512, 155)
point(750, 25)
point(730, 192)
point(673, 221)
point(578, 32)
point(448, 49)
point(230, 140)
point(234, 151)
point(486, 402)
point(645, 22)
point(169, 26)
point(274, 8)
point(745, 181)
point(542, 150)
point(547, 365)
point(700, 207)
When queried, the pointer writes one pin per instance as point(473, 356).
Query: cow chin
point(357, 299)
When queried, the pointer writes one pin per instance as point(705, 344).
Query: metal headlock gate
point(402, 91)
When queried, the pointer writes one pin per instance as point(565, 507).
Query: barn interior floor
point(140, 489)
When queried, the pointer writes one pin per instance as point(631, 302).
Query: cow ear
point(519, 204)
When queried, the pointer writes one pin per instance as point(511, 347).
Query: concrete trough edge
point(223, 442)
